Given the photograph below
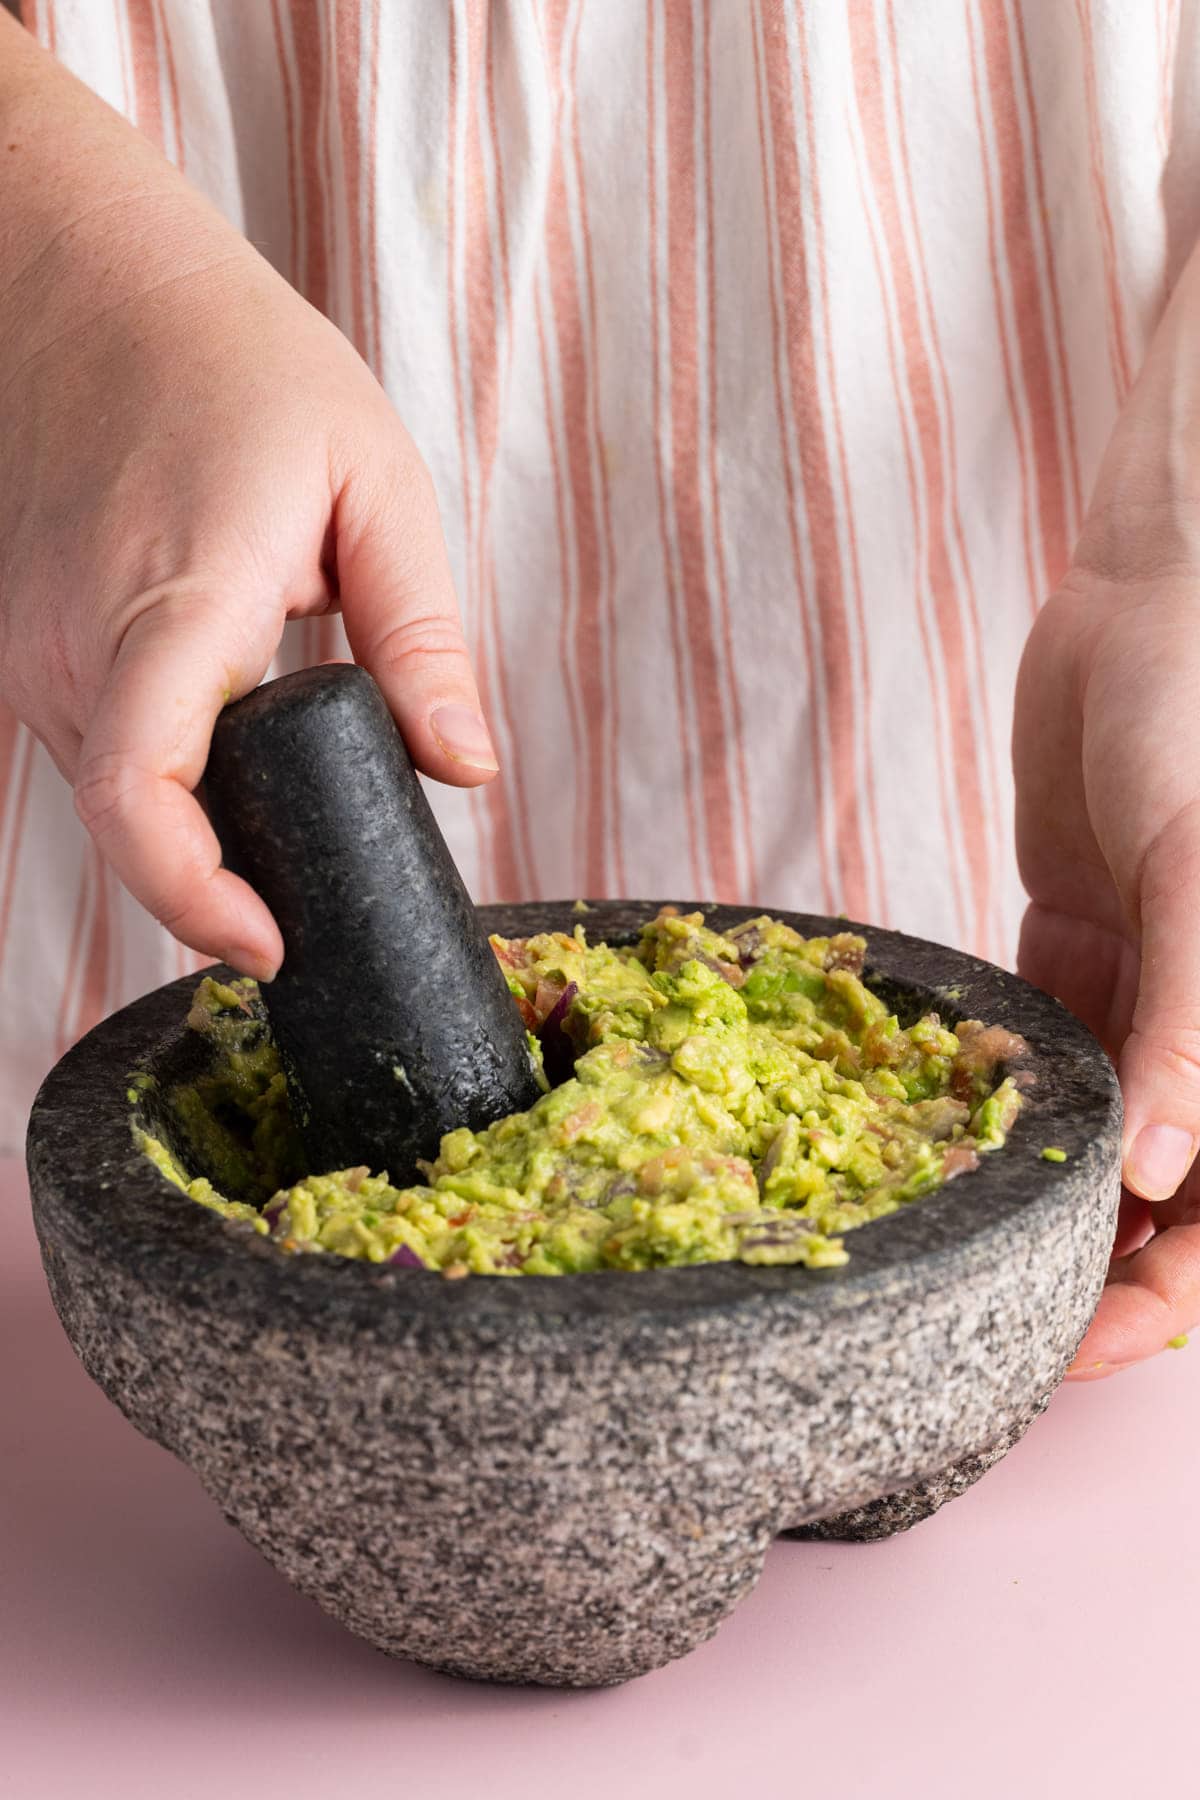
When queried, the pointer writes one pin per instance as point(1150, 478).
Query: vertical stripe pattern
point(763, 356)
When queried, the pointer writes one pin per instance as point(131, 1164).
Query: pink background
point(1035, 1639)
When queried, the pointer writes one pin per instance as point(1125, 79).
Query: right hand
point(190, 456)
point(1108, 826)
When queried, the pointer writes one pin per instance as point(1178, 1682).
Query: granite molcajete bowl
point(573, 1479)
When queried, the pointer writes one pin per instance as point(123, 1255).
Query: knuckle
point(1181, 1054)
point(111, 800)
point(173, 914)
point(1169, 1046)
point(105, 794)
point(426, 639)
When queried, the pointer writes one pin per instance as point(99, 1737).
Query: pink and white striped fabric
point(763, 354)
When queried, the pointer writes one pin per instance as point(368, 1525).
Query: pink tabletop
point(1033, 1640)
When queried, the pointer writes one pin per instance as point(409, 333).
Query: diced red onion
point(749, 942)
point(558, 1052)
point(730, 972)
point(404, 1258)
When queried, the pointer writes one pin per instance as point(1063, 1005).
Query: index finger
point(143, 756)
point(1151, 1298)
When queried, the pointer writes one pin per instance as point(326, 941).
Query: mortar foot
point(901, 1511)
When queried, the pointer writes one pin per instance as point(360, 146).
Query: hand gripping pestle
point(392, 1016)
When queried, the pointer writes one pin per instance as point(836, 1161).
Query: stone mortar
point(573, 1479)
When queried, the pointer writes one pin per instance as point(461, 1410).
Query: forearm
point(89, 208)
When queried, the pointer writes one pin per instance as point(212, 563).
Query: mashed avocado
point(717, 1097)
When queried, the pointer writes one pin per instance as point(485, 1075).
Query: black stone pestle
point(393, 1018)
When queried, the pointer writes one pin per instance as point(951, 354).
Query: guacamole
point(709, 1097)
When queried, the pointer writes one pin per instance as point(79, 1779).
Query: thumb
point(402, 618)
point(1160, 1060)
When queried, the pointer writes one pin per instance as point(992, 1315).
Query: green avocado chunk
point(728, 1097)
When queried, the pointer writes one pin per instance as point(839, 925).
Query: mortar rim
point(76, 1178)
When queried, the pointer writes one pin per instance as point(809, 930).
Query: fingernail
point(464, 736)
point(1158, 1161)
point(1087, 1371)
point(248, 962)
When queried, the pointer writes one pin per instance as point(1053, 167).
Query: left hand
point(1107, 761)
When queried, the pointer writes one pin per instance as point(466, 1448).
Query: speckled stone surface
point(884, 1517)
point(574, 1479)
